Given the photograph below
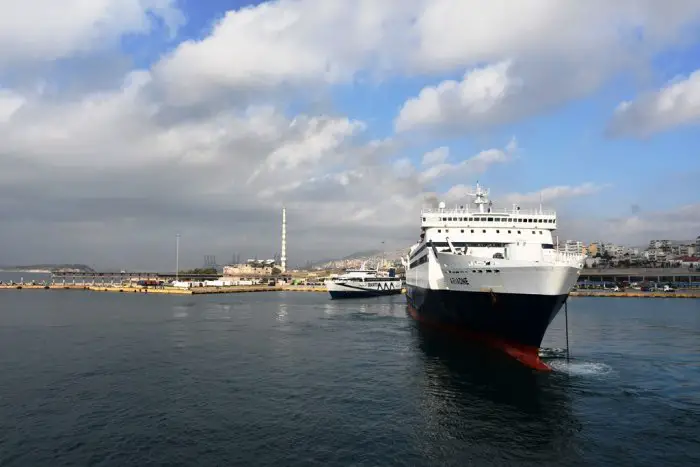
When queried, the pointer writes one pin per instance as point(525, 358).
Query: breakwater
point(636, 294)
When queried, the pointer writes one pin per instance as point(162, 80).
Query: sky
point(126, 122)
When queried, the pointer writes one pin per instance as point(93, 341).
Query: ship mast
point(480, 197)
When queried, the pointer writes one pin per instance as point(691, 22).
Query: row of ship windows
point(493, 219)
point(480, 271)
point(484, 231)
point(420, 260)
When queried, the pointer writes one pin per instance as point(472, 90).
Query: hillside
point(355, 259)
point(48, 268)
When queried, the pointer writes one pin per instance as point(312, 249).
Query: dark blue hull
point(363, 293)
point(517, 319)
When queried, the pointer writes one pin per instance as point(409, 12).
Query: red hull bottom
point(525, 354)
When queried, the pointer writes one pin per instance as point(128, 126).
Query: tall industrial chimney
point(283, 259)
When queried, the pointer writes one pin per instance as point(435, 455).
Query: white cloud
point(553, 194)
point(680, 223)
point(675, 105)
point(45, 30)
point(495, 94)
point(289, 42)
point(436, 156)
point(308, 42)
point(470, 167)
point(10, 102)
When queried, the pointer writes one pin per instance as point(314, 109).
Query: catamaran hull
point(361, 294)
point(514, 323)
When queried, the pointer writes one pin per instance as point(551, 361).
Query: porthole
point(509, 231)
point(518, 231)
point(484, 231)
point(540, 232)
point(461, 231)
point(472, 230)
point(498, 231)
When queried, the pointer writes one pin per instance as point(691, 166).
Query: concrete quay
point(635, 294)
point(166, 290)
point(640, 275)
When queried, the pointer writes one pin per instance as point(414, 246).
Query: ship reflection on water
point(485, 404)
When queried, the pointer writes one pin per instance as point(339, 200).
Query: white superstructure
point(482, 249)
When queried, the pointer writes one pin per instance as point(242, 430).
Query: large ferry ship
point(491, 275)
point(358, 283)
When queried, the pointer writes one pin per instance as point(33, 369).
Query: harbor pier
point(679, 277)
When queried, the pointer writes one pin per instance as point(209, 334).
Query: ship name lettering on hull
point(459, 280)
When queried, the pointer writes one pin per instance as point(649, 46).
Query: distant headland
point(48, 268)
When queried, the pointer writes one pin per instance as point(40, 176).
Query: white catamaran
point(357, 283)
